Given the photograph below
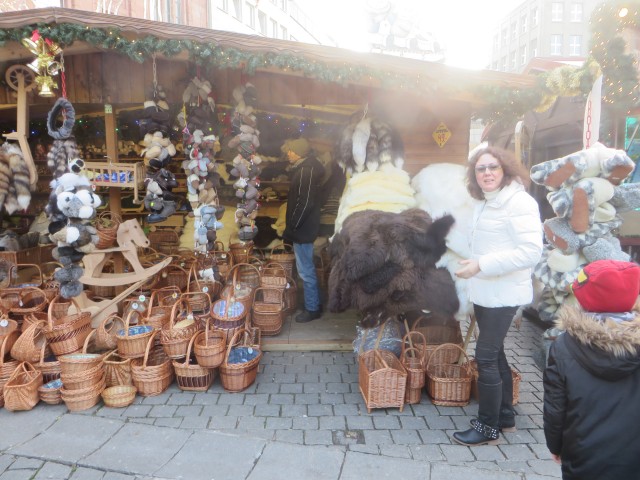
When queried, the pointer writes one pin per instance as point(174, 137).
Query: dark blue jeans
point(495, 384)
point(307, 271)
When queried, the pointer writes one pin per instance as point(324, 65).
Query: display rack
point(117, 175)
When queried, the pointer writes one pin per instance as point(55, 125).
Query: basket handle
point(415, 352)
point(50, 309)
point(127, 321)
point(407, 339)
point(282, 246)
point(87, 340)
point(262, 289)
point(433, 354)
point(417, 322)
point(25, 290)
point(146, 350)
point(185, 295)
point(275, 265)
point(235, 270)
point(181, 302)
point(114, 318)
point(232, 342)
point(156, 293)
point(18, 265)
point(24, 367)
point(377, 353)
point(187, 359)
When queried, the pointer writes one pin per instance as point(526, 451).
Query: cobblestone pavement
point(303, 418)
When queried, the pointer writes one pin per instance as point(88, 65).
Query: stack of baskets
point(66, 334)
point(268, 310)
point(413, 359)
point(83, 380)
point(181, 328)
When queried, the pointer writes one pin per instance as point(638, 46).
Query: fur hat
point(608, 286)
point(299, 146)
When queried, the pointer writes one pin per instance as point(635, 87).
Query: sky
point(464, 27)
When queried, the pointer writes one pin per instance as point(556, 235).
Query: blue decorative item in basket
point(136, 330)
point(235, 309)
point(53, 384)
point(242, 354)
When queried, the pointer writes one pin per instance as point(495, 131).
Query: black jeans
point(495, 384)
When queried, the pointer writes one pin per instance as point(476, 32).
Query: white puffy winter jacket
point(506, 238)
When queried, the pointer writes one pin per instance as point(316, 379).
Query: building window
point(237, 10)
point(503, 64)
point(251, 14)
point(556, 12)
point(284, 34)
point(512, 66)
point(556, 45)
point(504, 37)
point(534, 16)
point(523, 55)
point(274, 29)
point(223, 5)
point(523, 24)
point(496, 43)
point(284, 5)
point(514, 31)
point(576, 12)
point(262, 20)
point(533, 48)
point(575, 45)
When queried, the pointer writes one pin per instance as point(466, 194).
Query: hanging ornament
point(45, 66)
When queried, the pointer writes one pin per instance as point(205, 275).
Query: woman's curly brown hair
point(513, 170)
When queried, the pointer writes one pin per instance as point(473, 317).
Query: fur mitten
point(558, 233)
point(71, 289)
point(69, 273)
point(66, 255)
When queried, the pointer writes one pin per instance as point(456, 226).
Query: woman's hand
point(470, 268)
point(556, 458)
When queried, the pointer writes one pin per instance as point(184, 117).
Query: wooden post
point(115, 201)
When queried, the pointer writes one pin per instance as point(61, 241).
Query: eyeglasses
point(494, 167)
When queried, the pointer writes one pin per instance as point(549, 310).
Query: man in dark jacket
point(592, 381)
point(303, 220)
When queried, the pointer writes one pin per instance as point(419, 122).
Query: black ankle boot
point(480, 434)
point(504, 427)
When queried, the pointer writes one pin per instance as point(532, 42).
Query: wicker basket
point(515, 375)
point(241, 251)
point(119, 396)
point(382, 379)
point(30, 299)
point(223, 259)
point(132, 341)
point(28, 345)
point(273, 275)
point(67, 334)
point(203, 291)
point(82, 399)
point(105, 336)
point(49, 366)
point(160, 304)
point(449, 385)
point(153, 373)
point(7, 366)
point(164, 241)
point(8, 329)
point(50, 392)
point(181, 328)
point(174, 275)
point(209, 347)
point(117, 370)
point(235, 374)
point(107, 224)
point(21, 390)
point(437, 335)
point(190, 376)
point(283, 254)
point(268, 315)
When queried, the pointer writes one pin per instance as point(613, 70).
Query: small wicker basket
point(153, 373)
point(190, 376)
point(119, 396)
point(382, 379)
point(235, 374)
point(449, 385)
point(209, 347)
point(21, 390)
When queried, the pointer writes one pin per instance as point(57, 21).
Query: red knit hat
point(608, 286)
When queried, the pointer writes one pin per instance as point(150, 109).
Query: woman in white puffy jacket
point(506, 243)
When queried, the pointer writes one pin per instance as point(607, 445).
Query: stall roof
point(429, 77)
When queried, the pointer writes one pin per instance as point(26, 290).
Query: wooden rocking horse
point(129, 236)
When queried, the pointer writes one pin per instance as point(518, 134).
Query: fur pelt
point(15, 191)
point(59, 154)
point(385, 262)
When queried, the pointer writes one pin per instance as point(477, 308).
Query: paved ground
point(304, 418)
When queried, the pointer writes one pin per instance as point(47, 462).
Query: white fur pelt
point(440, 190)
point(15, 191)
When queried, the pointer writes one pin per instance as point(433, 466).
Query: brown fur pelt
point(386, 262)
point(15, 191)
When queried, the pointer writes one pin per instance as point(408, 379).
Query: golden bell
point(53, 68)
point(31, 45)
point(45, 91)
point(35, 66)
